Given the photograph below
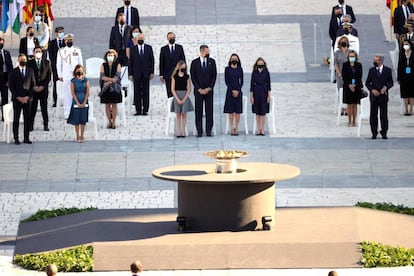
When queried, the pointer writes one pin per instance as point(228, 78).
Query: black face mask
point(343, 44)
point(207, 55)
point(338, 15)
point(79, 73)
point(127, 3)
point(122, 22)
point(234, 62)
point(375, 64)
point(182, 70)
point(260, 66)
point(1, 46)
point(172, 41)
point(31, 34)
point(22, 63)
point(140, 41)
point(341, 2)
point(69, 44)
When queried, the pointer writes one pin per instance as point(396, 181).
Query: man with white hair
point(67, 58)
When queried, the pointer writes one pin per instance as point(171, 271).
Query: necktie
point(37, 27)
point(378, 72)
point(204, 64)
point(38, 64)
point(127, 15)
point(172, 50)
point(141, 52)
point(22, 73)
point(122, 31)
point(407, 13)
point(1, 62)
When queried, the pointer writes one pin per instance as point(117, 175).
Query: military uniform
point(67, 59)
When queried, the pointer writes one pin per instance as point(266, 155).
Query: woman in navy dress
point(233, 75)
point(260, 93)
point(110, 73)
point(78, 116)
point(352, 79)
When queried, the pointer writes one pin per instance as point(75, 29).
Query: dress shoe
point(209, 135)
point(374, 137)
point(16, 142)
point(383, 134)
point(137, 114)
point(199, 134)
point(145, 113)
point(27, 142)
point(31, 128)
point(45, 128)
point(54, 105)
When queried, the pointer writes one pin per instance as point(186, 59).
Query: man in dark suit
point(378, 82)
point(53, 49)
point(118, 40)
point(335, 24)
point(42, 71)
point(21, 83)
point(401, 14)
point(203, 75)
point(6, 66)
point(28, 43)
point(141, 71)
point(169, 56)
point(131, 14)
point(346, 10)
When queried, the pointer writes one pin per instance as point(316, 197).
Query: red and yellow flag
point(48, 8)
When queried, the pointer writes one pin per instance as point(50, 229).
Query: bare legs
point(181, 124)
point(352, 113)
point(234, 119)
point(260, 122)
point(408, 102)
point(111, 111)
point(80, 130)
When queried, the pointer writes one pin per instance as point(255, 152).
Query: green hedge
point(45, 214)
point(78, 259)
point(401, 209)
point(379, 255)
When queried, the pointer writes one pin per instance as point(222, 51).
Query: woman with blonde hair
point(180, 88)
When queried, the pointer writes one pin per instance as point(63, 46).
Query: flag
point(4, 15)
point(28, 11)
point(48, 10)
point(15, 7)
point(392, 5)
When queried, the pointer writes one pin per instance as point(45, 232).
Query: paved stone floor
point(337, 168)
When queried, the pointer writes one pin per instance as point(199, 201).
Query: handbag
point(114, 87)
point(362, 93)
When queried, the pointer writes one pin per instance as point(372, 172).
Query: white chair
point(364, 111)
point(341, 105)
point(92, 119)
point(243, 116)
point(271, 118)
point(93, 67)
point(8, 121)
point(171, 116)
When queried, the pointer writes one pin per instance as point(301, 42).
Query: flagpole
point(10, 24)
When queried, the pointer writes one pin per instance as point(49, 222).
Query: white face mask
point(134, 35)
point(406, 47)
point(37, 18)
point(38, 55)
point(110, 58)
point(61, 35)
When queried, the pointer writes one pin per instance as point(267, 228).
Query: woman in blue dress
point(78, 116)
point(233, 75)
point(260, 93)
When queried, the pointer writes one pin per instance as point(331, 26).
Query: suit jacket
point(348, 10)
point(402, 65)
point(53, 51)
point(378, 82)
point(333, 28)
point(116, 40)
point(203, 78)
point(23, 45)
point(7, 60)
point(141, 66)
point(21, 87)
point(399, 19)
point(42, 74)
point(168, 62)
point(134, 16)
